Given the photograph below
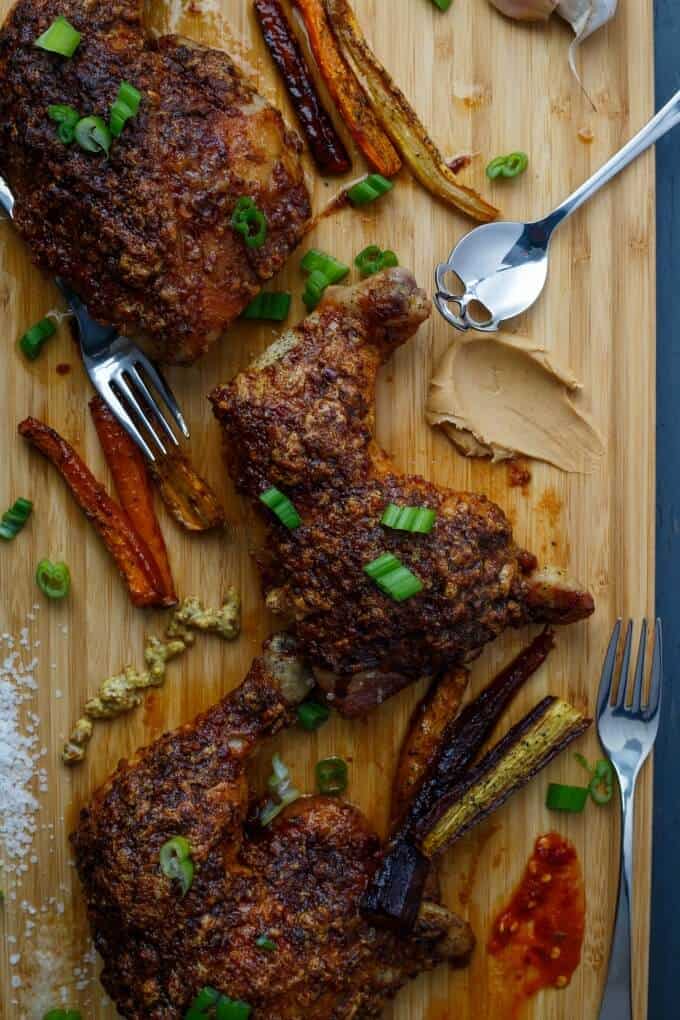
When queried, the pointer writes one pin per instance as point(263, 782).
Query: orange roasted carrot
point(132, 557)
point(346, 91)
point(133, 486)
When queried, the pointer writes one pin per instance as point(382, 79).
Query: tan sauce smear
point(496, 399)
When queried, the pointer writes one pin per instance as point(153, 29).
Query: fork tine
point(625, 667)
point(121, 383)
point(135, 378)
point(118, 409)
point(605, 691)
point(657, 673)
point(164, 390)
point(639, 675)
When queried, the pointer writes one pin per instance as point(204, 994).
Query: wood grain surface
point(485, 85)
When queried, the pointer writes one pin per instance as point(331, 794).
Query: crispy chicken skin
point(301, 418)
point(144, 236)
point(299, 881)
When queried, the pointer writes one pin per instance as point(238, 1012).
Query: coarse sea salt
point(21, 777)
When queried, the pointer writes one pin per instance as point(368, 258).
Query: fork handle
point(617, 1001)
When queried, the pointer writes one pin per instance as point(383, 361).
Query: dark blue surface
point(664, 991)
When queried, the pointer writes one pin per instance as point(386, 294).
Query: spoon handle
point(667, 117)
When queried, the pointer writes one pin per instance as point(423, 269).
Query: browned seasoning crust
point(302, 419)
point(144, 236)
point(299, 881)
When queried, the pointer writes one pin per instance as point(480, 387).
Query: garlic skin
point(526, 10)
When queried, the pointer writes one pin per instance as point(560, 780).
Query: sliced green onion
point(601, 785)
point(369, 189)
point(314, 289)
point(66, 133)
point(53, 579)
point(176, 863)
point(31, 343)
point(417, 519)
point(312, 715)
point(232, 1009)
point(280, 505)
point(60, 113)
point(264, 942)
point(61, 37)
point(507, 166)
point(63, 1014)
point(125, 107)
point(319, 261)
point(14, 519)
point(129, 95)
point(206, 998)
point(443, 5)
point(566, 798)
point(281, 786)
point(250, 222)
point(373, 260)
point(393, 578)
point(93, 135)
point(272, 305)
point(332, 776)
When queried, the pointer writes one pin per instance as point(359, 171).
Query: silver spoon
point(502, 267)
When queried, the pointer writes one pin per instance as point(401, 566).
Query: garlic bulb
point(584, 16)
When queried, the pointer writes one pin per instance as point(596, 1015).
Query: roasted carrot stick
point(326, 146)
point(132, 557)
point(346, 91)
point(133, 486)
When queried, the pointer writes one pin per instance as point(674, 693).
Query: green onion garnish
point(63, 1014)
point(271, 305)
point(331, 776)
point(53, 579)
point(61, 37)
point(507, 166)
point(176, 863)
point(369, 189)
point(314, 289)
point(373, 260)
point(264, 942)
point(31, 343)
point(211, 1003)
point(443, 5)
point(393, 578)
point(417, 519)
point(601, 785)
point(282, 789)
point(566, 798)
point(319, 261)
point(66, 118)
point(125, 107)
point(280, 505)
point(13, 520)
point(249, 221)
point(93, 135)
point(312, 715)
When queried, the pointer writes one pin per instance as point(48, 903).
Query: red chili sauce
point(537, 939)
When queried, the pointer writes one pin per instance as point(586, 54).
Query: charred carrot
point(133, 486)
point(131, 555)
point(347, 92)
point(187, 496)
point(324, 142)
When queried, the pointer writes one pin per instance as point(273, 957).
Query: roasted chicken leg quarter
point(301, 419)
point(299, 881)
point(143, 234)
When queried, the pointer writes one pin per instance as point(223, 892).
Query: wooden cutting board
point(482, 84)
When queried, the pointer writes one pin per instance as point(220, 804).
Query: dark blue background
point(664, 992)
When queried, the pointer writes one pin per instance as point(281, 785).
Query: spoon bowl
point(495, 272)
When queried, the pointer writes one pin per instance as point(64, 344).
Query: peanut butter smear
point(496, 398)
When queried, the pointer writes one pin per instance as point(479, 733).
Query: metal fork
point(627, 730)
point(120, 372)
